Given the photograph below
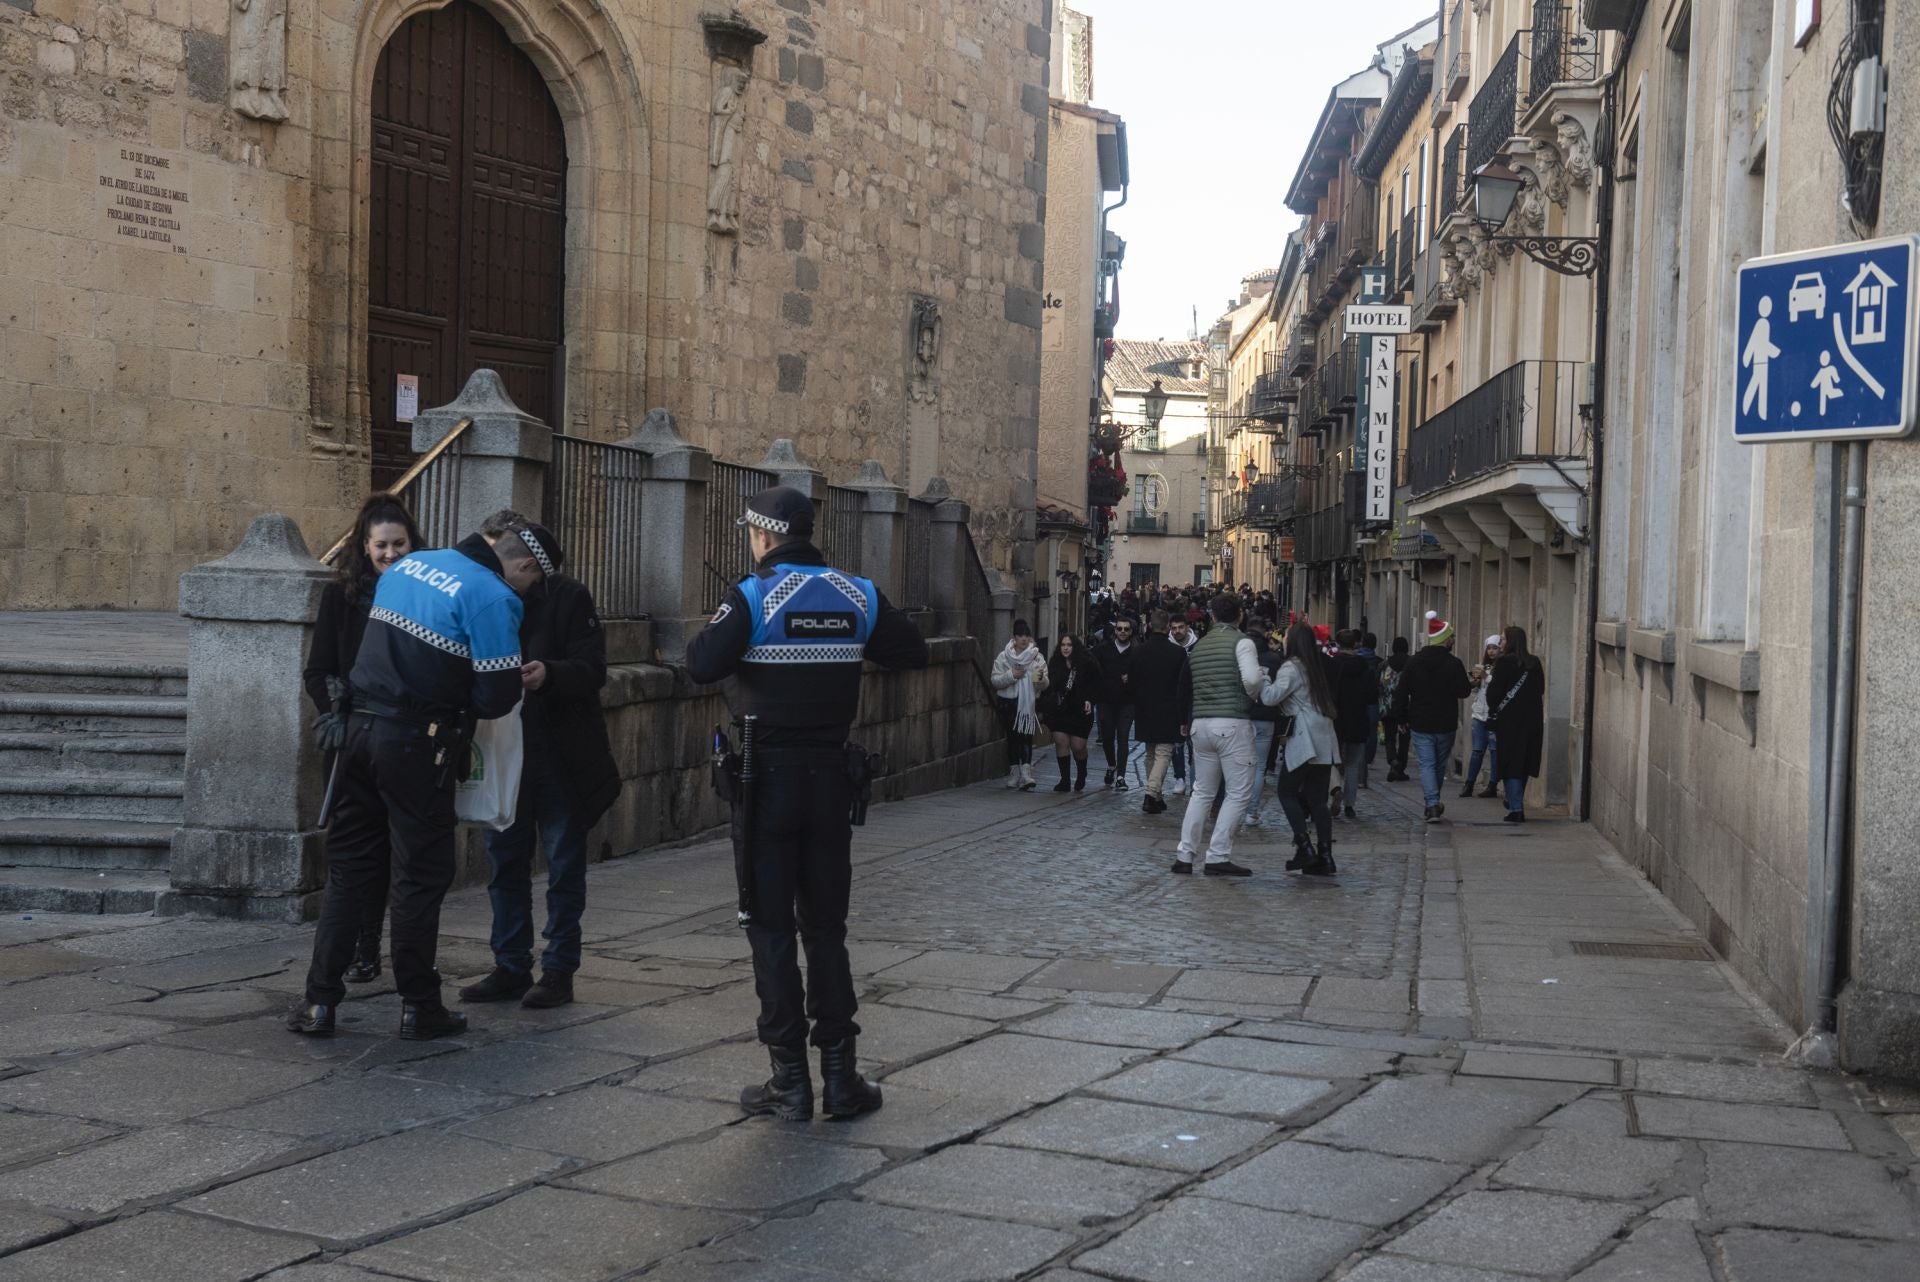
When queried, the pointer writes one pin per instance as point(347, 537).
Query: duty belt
point(418, 717)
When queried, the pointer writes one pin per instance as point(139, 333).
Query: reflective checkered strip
point(423, 633)
point(504, 663)
point(847, 589)
point(805, 654)
point(782, 591)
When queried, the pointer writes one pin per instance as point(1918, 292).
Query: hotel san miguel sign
point(1375, 322)
point(144, 196)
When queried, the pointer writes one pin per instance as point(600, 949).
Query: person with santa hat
point(1428, 698)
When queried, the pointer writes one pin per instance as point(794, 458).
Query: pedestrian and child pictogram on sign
point(1826, 343)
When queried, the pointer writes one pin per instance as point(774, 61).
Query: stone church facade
point(241, 239)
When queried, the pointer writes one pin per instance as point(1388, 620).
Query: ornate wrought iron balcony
point(1527, 412)
point(1495, 112)
point(1559, 52)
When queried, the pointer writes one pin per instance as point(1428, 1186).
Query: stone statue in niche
point(924, 385)
point(723, 147)
point(257, 59)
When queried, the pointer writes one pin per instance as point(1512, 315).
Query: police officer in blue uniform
point(794, 635)
point(441, 651)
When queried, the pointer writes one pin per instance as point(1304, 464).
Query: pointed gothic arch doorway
point(467, 224)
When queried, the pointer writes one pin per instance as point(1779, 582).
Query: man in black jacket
point(566, 784)
point(1116, 659)
point(1428, 699)
point(1158, 663)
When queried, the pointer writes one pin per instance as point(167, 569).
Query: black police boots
point(843, 1092)
point(788, 1094)
point(500, 985)
point(366, 964)
point(424, 1021)
point(310, 1019)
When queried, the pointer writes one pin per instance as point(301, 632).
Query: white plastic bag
point(491, 790)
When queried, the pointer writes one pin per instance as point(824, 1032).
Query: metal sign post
point(1375, 323)
point(1825, 343)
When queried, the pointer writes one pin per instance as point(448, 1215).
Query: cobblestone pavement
point(1093, 1070)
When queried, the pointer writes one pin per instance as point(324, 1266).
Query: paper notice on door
point(406, 397)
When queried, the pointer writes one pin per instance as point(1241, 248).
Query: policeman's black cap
point(780, 510)
point(546, 549)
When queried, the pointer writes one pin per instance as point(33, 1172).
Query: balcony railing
point(1452, 68)
point(1453, 174)
point(1559, 52)
point(1271, 504)
point(1266, 403)
point(1324, 273)
point(1401, 277)
point(1431, 304)
point(1390, 256)
point(1233, 509)
point(1527, 411)
point(1322, 536)
point(1495, 112)
point(1359, 240)
point(1146, 523)
point(1297, 359)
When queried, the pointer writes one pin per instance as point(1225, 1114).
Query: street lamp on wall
point(1155, 404)
point(1495, 190)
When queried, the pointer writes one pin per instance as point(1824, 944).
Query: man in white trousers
point(1224, 679)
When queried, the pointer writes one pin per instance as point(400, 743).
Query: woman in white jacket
point(1019, 675)
point(1303, 691)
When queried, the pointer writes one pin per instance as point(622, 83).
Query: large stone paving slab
point(357, 1104)
point(24, 1137)
point(1011, 1184)
point(1765, 1255)
point(1534, 1232)
point(988, 971)
point(896, 1034)
point(1259, 1056)
point(164, 1161)
point(1364, 1188)
point(519, 1068)
point(921, 1119)
point(1199, 1238)
point(373, 1189)
point(1447, 1120)
point(1034, 1069)
point(1731, 1083)
point(1151, 1029)
point(141, 1085)
point(1567, 1161)
point(747, 1167)
point(1122, 1132)
point(600, 1123)
point(1746, 1123)
point(1789, 1188)
point(22, 1227)
point(157, 1247)
point(80, 1031)
point(546, 1235)
point(1657, 1251)
point(1178, 1084)
point(893, 1244)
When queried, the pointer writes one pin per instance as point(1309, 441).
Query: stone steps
point(78, 890)
point(85, 844)
point(92, 775)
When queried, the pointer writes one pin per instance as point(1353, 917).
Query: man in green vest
point(1224, 679)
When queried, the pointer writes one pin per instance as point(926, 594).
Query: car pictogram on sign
point(1808, 293)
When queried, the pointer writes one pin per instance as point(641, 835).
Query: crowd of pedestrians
point(1217, 691)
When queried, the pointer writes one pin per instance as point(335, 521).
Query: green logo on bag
point(478, 772)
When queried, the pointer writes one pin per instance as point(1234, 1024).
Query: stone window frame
point(601, 90)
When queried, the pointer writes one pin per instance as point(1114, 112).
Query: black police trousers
point(390, 808)
point(802, 877)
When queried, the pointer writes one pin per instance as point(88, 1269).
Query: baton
point(333, 781)
point(743, 830)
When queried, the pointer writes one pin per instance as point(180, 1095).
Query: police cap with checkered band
point(782, 511)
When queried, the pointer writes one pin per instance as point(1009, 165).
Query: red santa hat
point(1439, 631)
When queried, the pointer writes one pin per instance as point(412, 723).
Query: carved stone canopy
point(730, 37)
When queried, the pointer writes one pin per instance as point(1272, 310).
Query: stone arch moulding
point(600, 90)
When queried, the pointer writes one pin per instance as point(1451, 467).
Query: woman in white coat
point(1019, 675)
point(1303, 692)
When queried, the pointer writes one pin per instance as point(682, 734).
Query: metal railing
point(978, 593)
point(725, 557)
point(430, 489)
point(1359, 218)
point(1146, 523)
point(1453, 174)
point(593, 505)
point(1267, 398)
point(836, 526)
point(1271, 504)
point(1454, 61)
point(1298, 356)
point(1324, 274)
point(1530, 410)
point(1431, 304)
point(1495, 112)
point(1233, 509)
point(1324, 535)
point(1402, 269)
point(1558, 51)
point(919, 586)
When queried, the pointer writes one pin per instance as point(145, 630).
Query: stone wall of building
point(184, 285)
point(1067, 358)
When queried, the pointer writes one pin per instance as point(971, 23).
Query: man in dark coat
point(1517, 705)
point(567, 782)
point(1157, 709)
point(1429, 695)
point(1115, 658)
point(1356, 685)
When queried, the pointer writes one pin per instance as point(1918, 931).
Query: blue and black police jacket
point(444, 635)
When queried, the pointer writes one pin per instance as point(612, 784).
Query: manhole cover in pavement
point(1651, 952)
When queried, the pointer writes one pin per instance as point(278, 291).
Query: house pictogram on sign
point(1869, 291)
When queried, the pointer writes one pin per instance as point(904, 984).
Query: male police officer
point(442, 650)
point(795, 633)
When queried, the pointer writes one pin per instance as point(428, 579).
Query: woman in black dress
point(383, 533)
point(1517, 706)
point(1072, 681)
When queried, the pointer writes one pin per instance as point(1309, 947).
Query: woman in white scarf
point(1019, 675)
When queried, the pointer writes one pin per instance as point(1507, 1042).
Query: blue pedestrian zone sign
point(1825, 347)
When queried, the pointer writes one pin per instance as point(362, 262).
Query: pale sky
point(1219, 97)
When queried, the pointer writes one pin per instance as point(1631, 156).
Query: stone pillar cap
point(873, 476)
point(501, 429)
point(269, 578)
point(659, 433)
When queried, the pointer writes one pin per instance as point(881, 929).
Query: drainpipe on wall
point(1819, 1047)
point(1602, 313)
